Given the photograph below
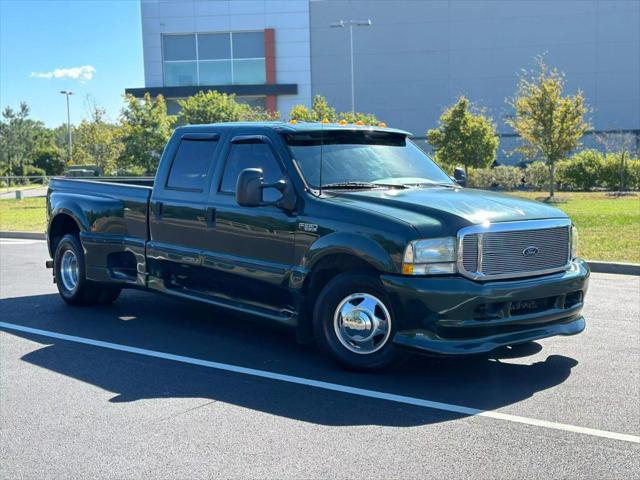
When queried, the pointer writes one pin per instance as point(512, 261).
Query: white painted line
point(10, 241)
point(362, 392)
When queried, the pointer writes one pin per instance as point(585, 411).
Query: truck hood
point(433, 210)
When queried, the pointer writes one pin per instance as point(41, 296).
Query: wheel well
point(61, 225)
point(329, 267)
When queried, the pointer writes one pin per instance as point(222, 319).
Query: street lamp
point(67, 93)
point(351, 24)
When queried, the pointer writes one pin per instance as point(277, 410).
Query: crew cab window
point(191, 164)
point(251, 155)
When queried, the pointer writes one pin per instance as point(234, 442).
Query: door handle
point(211, 217)
point(159, 210)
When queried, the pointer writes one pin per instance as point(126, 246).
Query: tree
point(321, 111)
point(145, 128)
point(623, 144)
point(357, 117)
point(51, 160)
point(97, 142)
point(20, 137)
point(213, 107)
point(464, 138)
point(550, 124)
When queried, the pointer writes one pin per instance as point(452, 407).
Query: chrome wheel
point(69, 270)
point(362, 323)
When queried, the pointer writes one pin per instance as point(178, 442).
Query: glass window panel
point(214, 46)
point(254, 101)
point(215, 73)
point(248, 45)
point(249, 72)
point(177, 74)
point(191, 164)
point(173, 107)
point(179, 47)
point(252, 155)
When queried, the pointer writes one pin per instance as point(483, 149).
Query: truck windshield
point(362, 158)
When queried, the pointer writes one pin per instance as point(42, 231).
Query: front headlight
point(431, 256)
point(574, 242)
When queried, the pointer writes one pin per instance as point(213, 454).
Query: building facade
point(415, 58)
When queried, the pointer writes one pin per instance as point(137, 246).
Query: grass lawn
point(609, 227)
point(13, 188)
point(26, 215)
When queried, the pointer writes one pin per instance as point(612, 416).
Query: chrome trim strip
point(480, 255)
point(509, 227)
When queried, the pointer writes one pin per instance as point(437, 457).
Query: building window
point(234, 58)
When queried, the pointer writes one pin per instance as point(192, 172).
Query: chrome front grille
point(470, 248)
point(514, 249)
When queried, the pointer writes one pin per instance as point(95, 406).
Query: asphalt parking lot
point(152, 387)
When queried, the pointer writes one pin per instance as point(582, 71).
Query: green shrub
point(537, 176)
point(502, 177)
point(634, 174)
point(582, 171)
point(610, 176)
point(480, 178)
point(507, 178)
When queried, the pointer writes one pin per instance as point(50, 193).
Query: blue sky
point(40, 36)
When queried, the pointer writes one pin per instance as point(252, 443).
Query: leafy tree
point(550, 124)
point(51, 160)
point(365, 118)
point(464, 138)
point(213, 107)
point(97, 142)
point(611, 171)
point(145, 128)
point(623, 144)
point(321, 111)
point(301, 113)
point(20, 137)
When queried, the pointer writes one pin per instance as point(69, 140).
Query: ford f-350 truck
point(351, 235)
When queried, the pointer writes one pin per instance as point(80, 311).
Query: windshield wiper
point(360, 185)
point(431, 184)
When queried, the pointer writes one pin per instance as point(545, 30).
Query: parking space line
point(362, 392)
point(11, 241)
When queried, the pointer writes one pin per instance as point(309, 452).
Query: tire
point(354, 322)
point(71, 281)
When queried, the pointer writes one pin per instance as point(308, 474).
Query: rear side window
point(191, 164)
point(251, 155)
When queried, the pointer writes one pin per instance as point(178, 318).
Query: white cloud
point(83, 73)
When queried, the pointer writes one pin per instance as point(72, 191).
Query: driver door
point(251, 249)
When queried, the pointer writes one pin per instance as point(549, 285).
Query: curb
point(614, 267)
point(595, 265)
point(24, 235)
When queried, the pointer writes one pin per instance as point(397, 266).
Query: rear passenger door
point(179, 214)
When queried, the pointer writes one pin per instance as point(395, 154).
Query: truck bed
point(113, 218)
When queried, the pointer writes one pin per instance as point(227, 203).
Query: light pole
point(351, 23)
point(67, 93)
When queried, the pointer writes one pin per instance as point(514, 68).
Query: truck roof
point(292, 127)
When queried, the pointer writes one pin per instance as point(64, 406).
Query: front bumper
point(456, 316)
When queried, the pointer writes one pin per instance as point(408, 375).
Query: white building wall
point(289, 19)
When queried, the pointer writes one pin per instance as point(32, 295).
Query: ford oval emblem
point(530, 251)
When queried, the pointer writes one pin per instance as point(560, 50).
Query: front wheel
point(354, 322)
point(73, 287)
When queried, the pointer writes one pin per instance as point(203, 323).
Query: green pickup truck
point(350, 235)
